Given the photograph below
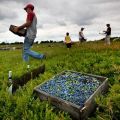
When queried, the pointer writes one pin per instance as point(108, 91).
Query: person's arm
point(105, 31)
point(29, 20)
point(65, 40)
point(70, 41)
point(25, 25)
point(79, 34)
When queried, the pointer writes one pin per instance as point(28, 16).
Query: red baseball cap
point(29, 6)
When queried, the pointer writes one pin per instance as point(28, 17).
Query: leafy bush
point(91, 57)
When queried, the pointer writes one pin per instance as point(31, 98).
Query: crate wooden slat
point(77, 112)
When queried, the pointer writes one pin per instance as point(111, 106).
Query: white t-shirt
point(81, 35)
point(32, 29)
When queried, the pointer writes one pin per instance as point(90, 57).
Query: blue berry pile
point(71, 86)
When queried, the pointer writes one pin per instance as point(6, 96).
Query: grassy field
point(91, 57)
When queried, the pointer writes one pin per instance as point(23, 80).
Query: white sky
point(56, 17)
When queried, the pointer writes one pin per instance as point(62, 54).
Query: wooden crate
point(77, 112)
point(22, 80)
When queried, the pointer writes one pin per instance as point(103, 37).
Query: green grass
point(92, 57)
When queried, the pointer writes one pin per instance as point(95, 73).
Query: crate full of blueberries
point(73, 92)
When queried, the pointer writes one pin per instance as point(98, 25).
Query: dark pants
point(68, 45)
point(82, 39)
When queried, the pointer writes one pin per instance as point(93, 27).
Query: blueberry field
point(91, 57)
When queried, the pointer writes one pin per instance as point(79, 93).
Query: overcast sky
point(56, 17)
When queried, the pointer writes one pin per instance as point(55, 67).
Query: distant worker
point(81, 36)
point(108, 34)
point(68, 41)
point(30, 25)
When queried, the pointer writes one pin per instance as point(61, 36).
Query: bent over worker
point(81, 36)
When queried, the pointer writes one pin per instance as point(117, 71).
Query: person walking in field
point(81, 36)
point(108, 34)
point(68, 41)
point(30, 25)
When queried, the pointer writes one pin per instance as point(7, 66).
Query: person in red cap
point(30, 25)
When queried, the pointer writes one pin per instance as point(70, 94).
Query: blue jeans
point(27, 52)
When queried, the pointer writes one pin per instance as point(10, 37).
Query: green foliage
point(91, 57)
point(109, 106)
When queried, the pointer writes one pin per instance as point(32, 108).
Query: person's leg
point(66, 45)
point(80, 40)
point(26, 47)
point(35, 54)
point(107, 40)
point(69, 45)
point(28, 52)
